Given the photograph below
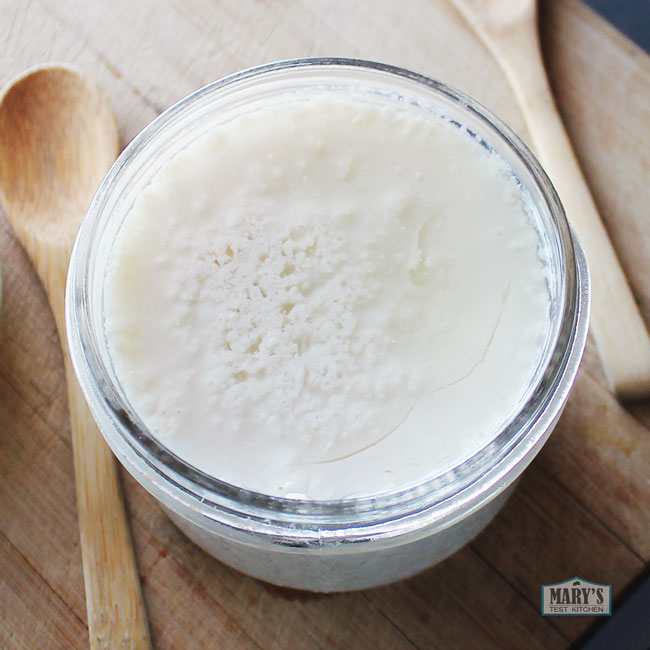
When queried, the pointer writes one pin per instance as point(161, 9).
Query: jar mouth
point(506, 453)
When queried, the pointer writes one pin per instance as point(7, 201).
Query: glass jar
point(350, 543)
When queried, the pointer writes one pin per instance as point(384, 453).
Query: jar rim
point(472, 480)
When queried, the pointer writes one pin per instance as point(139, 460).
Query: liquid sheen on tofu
point(327, 297)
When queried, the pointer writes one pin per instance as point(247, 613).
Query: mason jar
point(350, 543)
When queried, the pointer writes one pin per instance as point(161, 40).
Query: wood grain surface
point(582, 508)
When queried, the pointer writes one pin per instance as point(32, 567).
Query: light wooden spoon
point(508, 28)
point(58, 137)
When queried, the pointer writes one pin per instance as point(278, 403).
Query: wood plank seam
point(387, 618)
point(595, 379)
point(535, 606)
point(118, 75)
point(64, 438)
point(29, 350)
point(478, 622)
point(590, 513)
point(50, 588)
point(146, 572)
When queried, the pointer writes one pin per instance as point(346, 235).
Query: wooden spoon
point(58, 137)
point(508, 28)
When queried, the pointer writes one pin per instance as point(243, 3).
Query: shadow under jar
point(355, 542)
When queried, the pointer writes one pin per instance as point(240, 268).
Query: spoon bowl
point(58, 137)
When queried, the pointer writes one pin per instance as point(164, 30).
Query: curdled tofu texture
point(327, 298)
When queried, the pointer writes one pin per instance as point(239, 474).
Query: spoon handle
point(617, 325)
point(116, 613)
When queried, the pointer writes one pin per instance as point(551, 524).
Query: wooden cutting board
point(583, 507)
